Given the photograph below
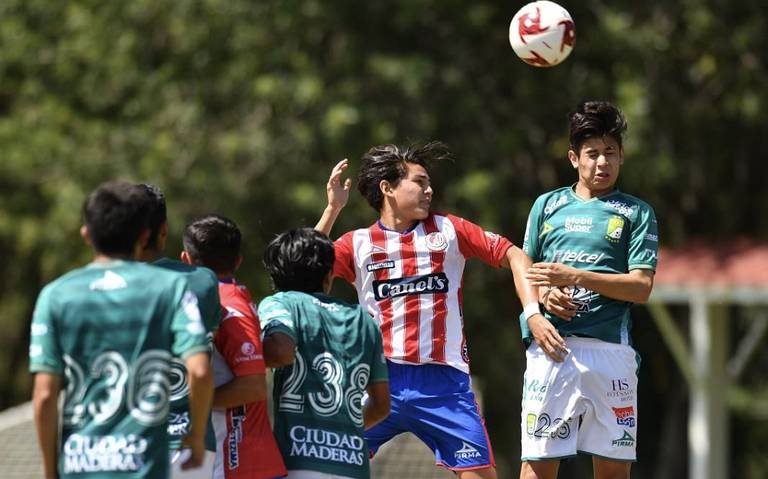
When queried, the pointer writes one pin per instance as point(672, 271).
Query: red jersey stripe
point(379, 242)
point(439, 308)
point(412, 303)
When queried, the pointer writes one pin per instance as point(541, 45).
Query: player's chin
point(422, 212)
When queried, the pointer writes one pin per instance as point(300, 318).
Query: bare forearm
point(634, 288)
point(200, 397)
point(45, 400)
point(326, 221)
point(519, 262)
point(378, 406)
point(47, 425)
point(241, 390)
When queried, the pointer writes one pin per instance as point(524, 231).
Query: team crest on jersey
point(436, 241)
point(615, 228)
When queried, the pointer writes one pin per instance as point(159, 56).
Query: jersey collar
point(578, 198)
point(409, 230)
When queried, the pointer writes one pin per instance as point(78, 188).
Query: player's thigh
point(307, 474)
point(485, 473)
point(539, 469)
point(609, 380)
point(607, 469)
point(551, 403)
point(448, 421)
point(390, 427)
point(179, 457)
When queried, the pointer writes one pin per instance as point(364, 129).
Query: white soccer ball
point(542, 33)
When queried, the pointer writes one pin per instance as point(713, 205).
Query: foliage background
point(242, 107)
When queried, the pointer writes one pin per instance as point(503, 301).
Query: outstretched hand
point(338, 192)
point(552, 274)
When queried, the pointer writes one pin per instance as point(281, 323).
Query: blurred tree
point(241, 108)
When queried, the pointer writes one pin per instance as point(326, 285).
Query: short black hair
point(213, 241)
point(595, 119)
point(388, 162)
point(299, 260)
point(116, 213)
point(158, 212)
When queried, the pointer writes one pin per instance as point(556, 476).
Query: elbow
point(279, 360)
point(200, 372)
point(645, 293)
point(381, 408)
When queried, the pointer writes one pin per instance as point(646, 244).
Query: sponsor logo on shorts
point(235, 437)
point(534, 390)
point(466, 452)
point(410, 285)
point(615, 228)
point(621, 390)
point(436, 241)
point(624, 441)
point(625, 416)
point(380, 265)
point(652, 237)
point(543, 426)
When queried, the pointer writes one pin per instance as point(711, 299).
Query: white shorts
point(180, 456)
point(586, 404)
point(306, 474)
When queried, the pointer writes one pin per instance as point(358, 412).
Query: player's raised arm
point(338, 195)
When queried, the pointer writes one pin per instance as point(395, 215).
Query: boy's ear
point(85, 235)
point(184, 256)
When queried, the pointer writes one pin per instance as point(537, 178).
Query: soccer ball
point(542, 33)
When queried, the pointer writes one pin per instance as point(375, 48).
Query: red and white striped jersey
point(411, 283)
point(246, 448)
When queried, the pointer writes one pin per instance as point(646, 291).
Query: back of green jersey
point(615, 233)
point(110, 329)
point(318, 410)
point(203, 282)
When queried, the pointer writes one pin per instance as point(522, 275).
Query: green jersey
point(205, 285)
point(615, 233)
point(318, 410)
point(110, 329)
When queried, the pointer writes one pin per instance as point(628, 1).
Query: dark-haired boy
point(328, 354)
point(202, 281)
point(595, 249)
point(107, 332)
point(408, 269)
point(245, 446)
